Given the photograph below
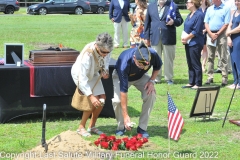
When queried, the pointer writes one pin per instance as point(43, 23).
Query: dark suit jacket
point(116, 12)
point(154, 25)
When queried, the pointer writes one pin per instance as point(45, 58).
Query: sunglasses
point(103, 52)
point(142, 66)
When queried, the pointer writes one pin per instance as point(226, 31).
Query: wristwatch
point(150, 80)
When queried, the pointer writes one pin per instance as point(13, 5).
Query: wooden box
point(53, 57)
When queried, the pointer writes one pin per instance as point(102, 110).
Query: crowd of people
point(210, 29)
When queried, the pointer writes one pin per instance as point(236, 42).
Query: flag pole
point(168, 130)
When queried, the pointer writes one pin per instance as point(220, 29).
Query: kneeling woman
point(95, 56)
point(193, 40)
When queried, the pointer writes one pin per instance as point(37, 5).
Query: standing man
point(231, 5)
point(216, 21)
point(132, 69)
point(118, 14)
point(162, 34)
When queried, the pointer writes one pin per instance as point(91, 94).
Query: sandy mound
point(68, 145)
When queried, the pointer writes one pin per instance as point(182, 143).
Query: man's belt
point(214, 31)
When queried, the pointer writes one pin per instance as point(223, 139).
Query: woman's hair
point(197, 3)
point(142, 3)
point(104, 40)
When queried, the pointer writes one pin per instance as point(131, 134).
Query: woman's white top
point(85, 71)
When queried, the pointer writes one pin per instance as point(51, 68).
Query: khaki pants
point(168, 52)
point(118, 27)
point(147, 106)
point(221, 46)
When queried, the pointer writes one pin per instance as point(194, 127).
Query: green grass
point(199, 138)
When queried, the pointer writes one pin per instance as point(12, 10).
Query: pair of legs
point(193, 54)
point(147, 106)
point(221, 47)
point(168, 52)
point(94, 115)
point(122, 26)
point(229, 62)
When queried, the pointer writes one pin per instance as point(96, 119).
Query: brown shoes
point(209, 81)
point(224, 82)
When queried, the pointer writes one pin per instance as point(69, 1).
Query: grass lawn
point(199, 139)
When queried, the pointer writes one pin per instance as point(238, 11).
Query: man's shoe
point(120, 132)
point(209, 81)
point(229, 72)
point(224, 82)
point(141, 131)
point(217, 71)
point(170, 82)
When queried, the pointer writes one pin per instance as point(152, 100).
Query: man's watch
point(150, 80)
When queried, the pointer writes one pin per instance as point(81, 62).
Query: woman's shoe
point(94, 130)
point(187, 86)
point(195, 87)
point(232, 86)
point(83, 132)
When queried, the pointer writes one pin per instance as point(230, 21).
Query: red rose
point(103, 136)
point(129, 144)
point(111, 138)
point(145, 140)
point(139, 144)
point(97, 142)
point(133, 148)
point(114, 148)
point(139, 136)
point(104, 145)
point(126, 139)
point(119, 141)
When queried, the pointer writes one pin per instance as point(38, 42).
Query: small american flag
point(175, 120)
point(171, 12)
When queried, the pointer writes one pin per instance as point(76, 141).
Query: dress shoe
point(170, 82)
point(224, 82)
point(217, 71)
point(187, 86)
point(229, 72)
point(209, 81)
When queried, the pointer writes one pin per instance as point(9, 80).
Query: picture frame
point(204, 101)
point(9, 49)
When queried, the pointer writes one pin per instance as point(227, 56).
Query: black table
point(15, 99)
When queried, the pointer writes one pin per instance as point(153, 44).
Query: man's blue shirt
point(216, 17)
point(127, 69)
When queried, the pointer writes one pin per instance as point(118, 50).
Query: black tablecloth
point(50, 80)
point(15, 97)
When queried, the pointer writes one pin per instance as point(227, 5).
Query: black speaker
point(13, 51)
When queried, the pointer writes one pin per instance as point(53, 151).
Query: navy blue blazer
point(156, 28)
point(116, 12)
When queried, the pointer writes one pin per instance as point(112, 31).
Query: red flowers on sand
point(126, 143)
